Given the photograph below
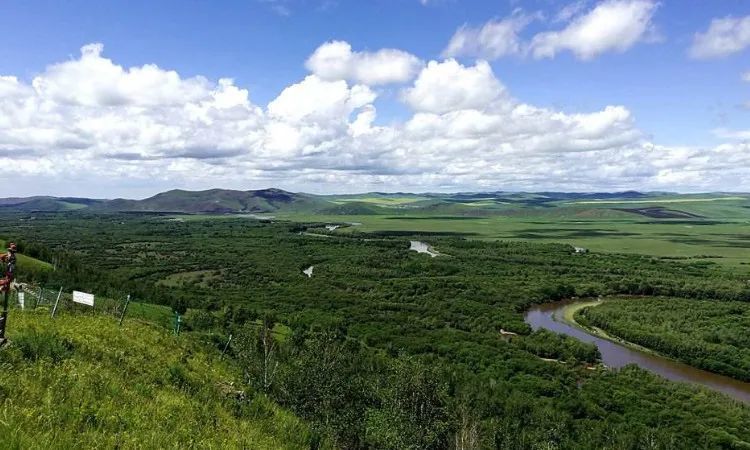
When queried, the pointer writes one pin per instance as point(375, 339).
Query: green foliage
point(35, 345)
point(707, 334)
point(380, 334)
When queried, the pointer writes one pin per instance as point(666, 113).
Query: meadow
point(726, 242)
point(80, 381)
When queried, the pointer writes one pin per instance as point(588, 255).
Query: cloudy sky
point(126, 99)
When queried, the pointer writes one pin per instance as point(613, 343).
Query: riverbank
point(570, 311)
point(560, 317)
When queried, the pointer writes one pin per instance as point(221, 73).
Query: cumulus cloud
point(95, 126)
point(724, 37)
point(494, 39)
point(612, 26)
point(335, 60)
point(449, 86)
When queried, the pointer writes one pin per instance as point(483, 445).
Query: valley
point(451, 328)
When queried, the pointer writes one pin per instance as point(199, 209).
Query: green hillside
point(84, 382)
point(27, 264)
point(221, 201)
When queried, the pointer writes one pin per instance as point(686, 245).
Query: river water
point(550, 316)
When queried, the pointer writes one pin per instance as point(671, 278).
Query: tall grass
point(80, 381)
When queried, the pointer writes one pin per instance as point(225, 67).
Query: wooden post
point(54, 309)
point(39, 298)
point(124, 309)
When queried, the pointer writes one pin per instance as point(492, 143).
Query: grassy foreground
point(83, 382)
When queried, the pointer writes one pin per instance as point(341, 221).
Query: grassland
point(726, 241)
point(79, 381)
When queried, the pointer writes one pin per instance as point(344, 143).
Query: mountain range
point(225, 201)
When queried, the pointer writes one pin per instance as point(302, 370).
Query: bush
point(36, 345)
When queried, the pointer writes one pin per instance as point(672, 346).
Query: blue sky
point(677, 101)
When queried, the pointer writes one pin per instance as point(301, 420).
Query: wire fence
point(59, 301)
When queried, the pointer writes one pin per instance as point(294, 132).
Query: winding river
point(550, 316)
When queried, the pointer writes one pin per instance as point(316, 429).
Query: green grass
point(83, 382)
point(720, 233)
point(598, 230)
point(662, 200)
point(380, 201)
point(27, 264)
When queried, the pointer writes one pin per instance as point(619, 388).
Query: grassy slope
point(82, 382)
point(27, 264)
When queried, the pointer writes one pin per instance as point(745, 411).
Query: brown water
point(550, 316)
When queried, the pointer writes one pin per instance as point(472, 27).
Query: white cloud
point(90, 126)
point(570, 11)
point(494, 39)
point(107, 84)
point(746, 76)
point(318, 101)
point(612, 26)
point(449, 86)
point(335, 60)
point(724, 37)
point(724, 133)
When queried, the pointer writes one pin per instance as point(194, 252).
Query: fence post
point(226, 347)
point(124, 309)
point(39, 298)
point(54, 309)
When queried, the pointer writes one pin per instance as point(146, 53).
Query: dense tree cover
point(707, 334)
point(381, 333)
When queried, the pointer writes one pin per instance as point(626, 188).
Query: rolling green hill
point(220, 201)
point(83, 382)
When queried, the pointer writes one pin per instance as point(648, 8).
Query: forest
point(708, 334)
point(383, 347)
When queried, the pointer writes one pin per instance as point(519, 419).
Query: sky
point(127, 99)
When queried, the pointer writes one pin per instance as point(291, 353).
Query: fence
point(58, 301)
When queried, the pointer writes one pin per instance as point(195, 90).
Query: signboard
point(83, 298)
point(21, 300)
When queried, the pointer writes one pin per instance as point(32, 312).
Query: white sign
point(83, 298)
point(21, 299)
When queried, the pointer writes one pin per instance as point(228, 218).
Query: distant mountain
point(50, 204)
point(212, 201)
point(225, 201)
point(217, 201)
